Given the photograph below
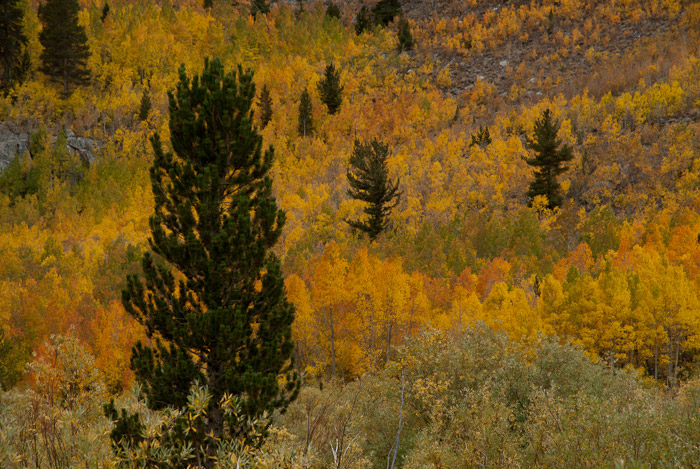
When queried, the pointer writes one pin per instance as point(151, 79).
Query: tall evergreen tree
point(14, 57)
point(306, 122)
point(65, 54)
point(330, 89)
point(369, 181)
point(265, 105)
point(548, 160)
point(213, 298)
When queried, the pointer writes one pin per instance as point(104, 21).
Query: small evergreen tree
point(105, 12)
point(330, 89)
point(213, 300)
point(14, 57)
point(145, 106)
point(363, 22)
point(550, 22)
point(548, 160)
point(265, 105)
point(385, 11)
point(482, 138)
point(405, 36)
point(369, 181)
point(306, 122)
point(208, 4)
point(65, 54)
point(332, 11)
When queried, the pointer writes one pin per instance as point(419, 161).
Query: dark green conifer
point(363, 22)
point(405, 36)
point(550, 22)
point(385, 11)
point(212, 299)
point(145, 106)
point(369, 181)
point(330, 89)
point(105, 12)
point(265, 105)
point(208, 4)
point(14, 57)
point(306, 122)
point(65, 54)
point(482, 138)
point(548, 160)
point(332, 11)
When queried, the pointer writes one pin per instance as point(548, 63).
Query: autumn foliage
point(612, 268)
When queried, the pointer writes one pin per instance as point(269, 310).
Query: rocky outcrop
point(14, 143)
point(85, 147)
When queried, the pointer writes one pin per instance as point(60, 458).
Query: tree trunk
point(330, 316)
point(388, 343)
point(656, 358)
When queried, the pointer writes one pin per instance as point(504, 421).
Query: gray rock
point(85, 147)
point(14, 143)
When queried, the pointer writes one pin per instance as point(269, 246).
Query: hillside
point(609, 280)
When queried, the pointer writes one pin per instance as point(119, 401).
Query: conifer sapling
point(265, 105)
point(548, 160)
point(369, 181)
point(330, 89)
point(306, 124)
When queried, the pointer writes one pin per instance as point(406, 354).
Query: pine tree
point(208, 4)
point(65, 54)
point(306, 122)
point(405, 36)
point(145, 106)
point(213, 300)
point(332, 11)
point(385, 11)
point(105, 12)
point(14, 57)
point(330, 89)
point(548, 160)
point(265, 105)
point(369, 181)
point(363, 21)
point(482, 138)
